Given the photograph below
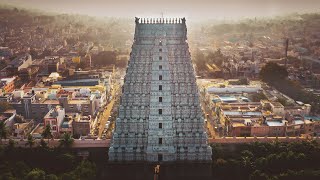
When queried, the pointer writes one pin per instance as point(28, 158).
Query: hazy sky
point(206, 9)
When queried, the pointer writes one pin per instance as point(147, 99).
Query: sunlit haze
point(194, 9)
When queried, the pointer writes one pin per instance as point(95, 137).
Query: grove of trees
point(104, 58)
point(269, 161)
point(43, 163)
point(276, 76)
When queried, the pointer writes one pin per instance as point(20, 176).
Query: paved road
point(236, 140)
point(88, 143)
point(107, 112)
point(208, 111)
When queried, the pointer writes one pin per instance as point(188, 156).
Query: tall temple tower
point(160, 117)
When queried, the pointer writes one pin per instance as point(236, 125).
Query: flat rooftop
point(275, 123)
point(75, 101)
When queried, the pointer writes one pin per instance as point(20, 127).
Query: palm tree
point(47, 133)
point(11, 144)
point(66, 140)
point(30, 141)
point(43, 143)
point(3, 131)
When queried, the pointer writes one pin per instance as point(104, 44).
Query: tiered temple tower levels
point(160, 117)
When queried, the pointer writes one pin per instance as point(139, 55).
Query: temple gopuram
point(160, 117)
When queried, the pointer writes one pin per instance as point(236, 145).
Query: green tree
point(66, 140)
point(216, 57)
point(104, 58)
point(199, 60)
point(36, 174)
point(283, 101)
point(273, 72)
point(68, 160)
point(256, 97)
point(30, 141)
point(21, 169)
point(85, 170)
point(47, 133)
point(258, 175)
point(68, 176)
point(11, 144)
point(43, 144)
point(122, 63)
point(3, 131)
point(7, 176)
point(243, 81)
point(51, 177)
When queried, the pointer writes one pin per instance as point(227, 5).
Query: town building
point(22, 129)
point(81, 125)
point(36, 103)
point(37, 131)
point(54, 118)
point(8, 117)
point(23, 61)
point(7, 85)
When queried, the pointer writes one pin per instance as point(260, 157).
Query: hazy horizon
point(199, 9)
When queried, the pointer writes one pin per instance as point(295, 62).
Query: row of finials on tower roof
point(160, 20)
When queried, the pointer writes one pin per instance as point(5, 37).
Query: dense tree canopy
point(3, 130)
point(272, 161)
point(273, 72)
point(104, 58)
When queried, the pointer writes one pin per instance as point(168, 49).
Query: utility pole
point(286, 51)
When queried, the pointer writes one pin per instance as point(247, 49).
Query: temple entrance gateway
point(160, 117)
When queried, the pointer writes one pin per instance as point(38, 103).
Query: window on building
point(160, 67)
point(160, 111)
point(160, 157)
point(160, 50)
point(160, 87)
point(160, 99)
point(160, 57)
point(160, 43)
point(160, 77)
point(160, 125)
point(160, 140)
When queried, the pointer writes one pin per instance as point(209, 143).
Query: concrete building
point(23, 61)
point(234, 89)
point(39, 101)
point(277, 108)
point(55, 118)
point(7, 85)
point(160, 118)
point(21, 130)
point(81, 125)
point(8, 117)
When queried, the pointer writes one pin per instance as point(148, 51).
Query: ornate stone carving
point(160, 116)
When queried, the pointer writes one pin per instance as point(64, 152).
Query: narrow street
point(209, 115)
point(107, 112)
